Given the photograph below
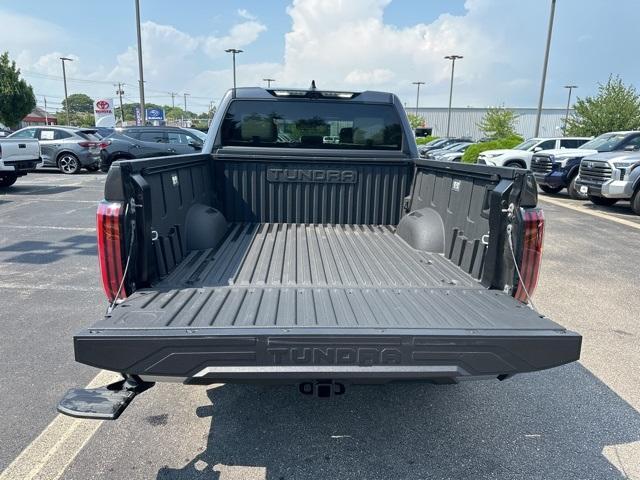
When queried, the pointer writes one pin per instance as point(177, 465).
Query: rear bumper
point(213, 355)
point(21, 167)
point(88, 159)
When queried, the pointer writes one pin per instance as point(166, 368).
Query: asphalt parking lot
point(581, 421)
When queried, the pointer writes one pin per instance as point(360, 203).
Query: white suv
point(520, 155)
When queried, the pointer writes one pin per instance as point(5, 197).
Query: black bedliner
point(300, 301)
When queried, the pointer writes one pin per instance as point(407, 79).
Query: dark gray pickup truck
point(309, 244)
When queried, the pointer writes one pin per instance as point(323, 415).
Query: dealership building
point(464, 121)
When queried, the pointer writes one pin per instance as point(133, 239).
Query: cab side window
point(547, 145)
point(570, 143)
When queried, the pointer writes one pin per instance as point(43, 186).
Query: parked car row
point(445, 149)
point(71, 149)
point(604, 169)
point(144, 142)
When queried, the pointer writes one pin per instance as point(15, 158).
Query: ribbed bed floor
point(318, 275)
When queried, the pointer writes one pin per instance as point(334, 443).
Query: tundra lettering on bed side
point(305, 175)
point(335, 356)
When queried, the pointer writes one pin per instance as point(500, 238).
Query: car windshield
point(606, 142)
point(527, 144)
point(318, 124)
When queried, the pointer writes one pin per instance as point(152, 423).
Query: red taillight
point(87, 144)
point(110, 241)
point(533, 224)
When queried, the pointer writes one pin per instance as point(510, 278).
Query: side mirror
point(536, 149)
point(630, 148)
point(195, 144)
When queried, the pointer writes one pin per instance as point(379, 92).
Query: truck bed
point(298, 289)
point(289, 275)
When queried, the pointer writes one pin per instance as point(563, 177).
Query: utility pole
point(417, 95)
point(64, 77)
point(185, 108)
point(566, 116)
point(269, 80)
point(453, 59)
point(120, 92)
point(46, 114)
point(544, 67)
point(140, 69)
point(173, 99)
point(233, 52)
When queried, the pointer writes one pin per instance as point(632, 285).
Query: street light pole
point(566, 116)
point(453, 59)
point(234, 51)
point(417, 95)
point(64, 77)
point(140, 69)
point(269, 80)
point(544, 67)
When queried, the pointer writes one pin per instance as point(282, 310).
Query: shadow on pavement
point(39, 190)
point(543, 425)
point(42, 251)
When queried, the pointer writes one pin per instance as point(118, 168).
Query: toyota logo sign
point(102, 104)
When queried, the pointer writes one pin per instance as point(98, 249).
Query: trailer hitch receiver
point(322, 388)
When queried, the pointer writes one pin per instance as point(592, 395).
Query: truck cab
point(608, 177)
point(555, 170)
point(18, 156)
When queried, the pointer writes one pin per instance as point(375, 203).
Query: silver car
point(67, 148)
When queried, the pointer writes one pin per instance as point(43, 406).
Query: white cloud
point(377, 76)
point(240, 35)
point(349, 45)
point(244, 13)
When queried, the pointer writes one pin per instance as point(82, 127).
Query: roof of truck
point(326, 94)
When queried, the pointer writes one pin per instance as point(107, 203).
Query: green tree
point(16, 96)
point(498, 122)
point(615, 107)
point(415, 120)
point(79, 102)
point(78, 119)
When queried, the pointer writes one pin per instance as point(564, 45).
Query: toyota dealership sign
point(103, 112)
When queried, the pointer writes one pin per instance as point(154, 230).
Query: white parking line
point(48, 227)
point(593, 213)
point(15, 198)
point(49, 455)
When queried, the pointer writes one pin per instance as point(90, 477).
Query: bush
point(471, 154)
point(423, 140)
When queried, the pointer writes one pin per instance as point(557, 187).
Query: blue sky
point(354, 44)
